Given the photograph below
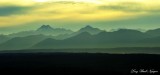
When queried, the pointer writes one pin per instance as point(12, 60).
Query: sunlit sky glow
point(74, 14)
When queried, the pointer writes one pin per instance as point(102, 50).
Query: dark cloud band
point(12, 10)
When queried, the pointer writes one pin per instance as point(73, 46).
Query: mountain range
point(47, 37)
point(45, 30)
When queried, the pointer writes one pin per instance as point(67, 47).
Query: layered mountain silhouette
point(153, 33)
point(48, 30)
point(45, 30)
point(120, 38)
point(87, 37)
point(90, 30)
point(74, 42)
point(4, 38)
point(23, 42)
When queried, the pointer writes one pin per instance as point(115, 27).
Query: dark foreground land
point(70, 63)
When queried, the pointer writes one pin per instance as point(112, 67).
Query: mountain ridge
point(83, 38)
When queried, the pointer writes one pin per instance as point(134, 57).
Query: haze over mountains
point(45, 30)
point(47, 37)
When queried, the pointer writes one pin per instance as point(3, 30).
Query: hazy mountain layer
point(4, 38)
point(87, 37)
point(121, 38)
point(22, 42)
point(45, 30)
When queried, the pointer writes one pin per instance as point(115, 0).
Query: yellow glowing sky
point(70, 12)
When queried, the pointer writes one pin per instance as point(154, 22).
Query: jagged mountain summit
point(59, 33)
point(90, 30)
point(45, 30)
point(48, 30)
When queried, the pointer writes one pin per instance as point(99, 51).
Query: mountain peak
point(88, 27)
point(90, 30)
point(45, 27)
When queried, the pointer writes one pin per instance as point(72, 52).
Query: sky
point(22, 15)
